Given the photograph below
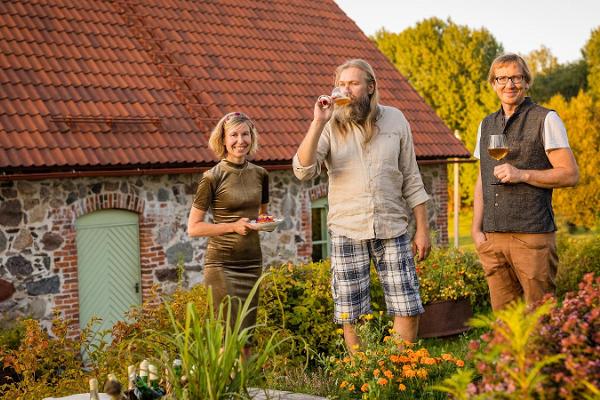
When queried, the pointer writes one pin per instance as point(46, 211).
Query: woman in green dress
point(235, 191)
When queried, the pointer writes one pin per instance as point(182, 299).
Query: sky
point(519, 25)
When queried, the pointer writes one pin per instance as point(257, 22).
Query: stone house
point(105, 111)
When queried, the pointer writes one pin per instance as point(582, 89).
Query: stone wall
point(38, 253)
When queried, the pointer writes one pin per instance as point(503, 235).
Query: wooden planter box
point(445, 318)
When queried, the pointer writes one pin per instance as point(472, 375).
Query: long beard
point(355, 112)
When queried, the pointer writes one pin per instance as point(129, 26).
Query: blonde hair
point(216, 142)
point(370, 124)
point(510, 58)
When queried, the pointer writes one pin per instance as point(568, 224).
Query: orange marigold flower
point(409, 373)
point(351, 388)
point(343, 384)
point(381, 363)
point(346, 359)
point(387, 339)
point(422, 373)
point(364, 388)
point(376, 372)
point(428, 360)
point(388, 374)
point(401, 387)
point(446, 357)
point(394, 358)
point(460, 363)
point(382, 381)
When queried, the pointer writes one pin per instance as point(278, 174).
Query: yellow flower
point(382, 381)
point(364, 388)
point(368, 317)
point(401, 387)
point(344, 315)
point(339, 331)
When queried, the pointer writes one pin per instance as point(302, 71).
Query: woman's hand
point(242, 226)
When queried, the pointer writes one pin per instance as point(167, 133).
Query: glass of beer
point(339, 97)
point(497, 149)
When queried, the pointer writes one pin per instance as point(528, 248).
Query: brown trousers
point(519, 265)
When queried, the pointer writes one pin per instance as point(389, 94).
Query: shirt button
point(496, 204)
point(496, 194)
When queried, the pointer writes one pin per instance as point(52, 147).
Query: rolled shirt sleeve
point(413, 189)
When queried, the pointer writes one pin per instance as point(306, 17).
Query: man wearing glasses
point(513, 222)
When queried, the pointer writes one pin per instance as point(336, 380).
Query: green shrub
point(50, 365)
point(296, 299)
point(577, 257)
point(451, 274)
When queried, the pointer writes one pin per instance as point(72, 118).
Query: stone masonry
point(38, 252)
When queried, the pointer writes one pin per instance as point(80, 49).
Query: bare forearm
point(551, 178)
point(308, 148)
point(420, 213)
point(200, 229)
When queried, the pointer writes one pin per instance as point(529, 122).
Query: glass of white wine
point(498, 149)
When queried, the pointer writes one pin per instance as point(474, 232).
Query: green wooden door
point(108, 253)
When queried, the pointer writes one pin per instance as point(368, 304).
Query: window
point(320, 235)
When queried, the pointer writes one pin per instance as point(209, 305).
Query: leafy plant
point(573, 329)
point(210, 347)
point(387, 367)
point(507, 358)
point(577, 257)
point(51, 364)
point(451, 274)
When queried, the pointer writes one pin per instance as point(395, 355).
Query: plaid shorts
point(350, 277)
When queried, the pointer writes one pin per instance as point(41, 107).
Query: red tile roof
point(132, 83)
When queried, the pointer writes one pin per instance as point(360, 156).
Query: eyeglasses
point(503, 80)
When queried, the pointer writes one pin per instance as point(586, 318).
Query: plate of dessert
point(266, 222)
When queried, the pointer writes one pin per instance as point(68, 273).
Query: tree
point(541, 61)
point(565, 79)
point(448, 65)
point(591, 54)
point(581, 115)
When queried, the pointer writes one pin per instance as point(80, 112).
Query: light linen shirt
point(369, 186)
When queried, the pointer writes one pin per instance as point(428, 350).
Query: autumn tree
point(541, 61)
point(591, 54)
point(448, 65)
point(581, 115)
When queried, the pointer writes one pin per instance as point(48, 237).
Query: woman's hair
point(510, 58)
point(370, 122)
point(216, 142)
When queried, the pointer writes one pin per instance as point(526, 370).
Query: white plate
point(267, 226)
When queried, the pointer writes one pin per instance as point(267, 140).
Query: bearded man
point(369, 154)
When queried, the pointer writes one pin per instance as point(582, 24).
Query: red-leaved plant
point(573, 329)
